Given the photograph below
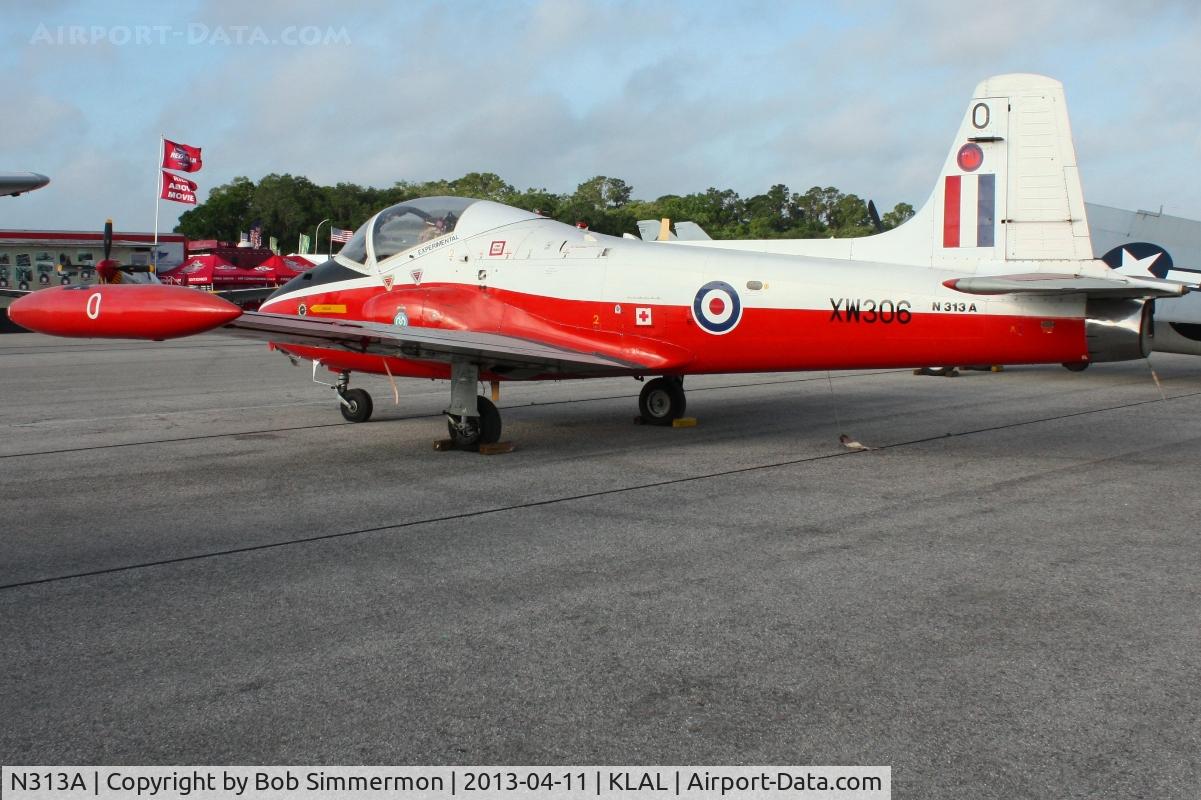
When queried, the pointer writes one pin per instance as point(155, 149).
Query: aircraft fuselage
point(689, 310)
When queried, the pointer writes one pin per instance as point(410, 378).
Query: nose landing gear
point(355, 404)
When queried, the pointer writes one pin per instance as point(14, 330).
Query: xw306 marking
point(846, 309)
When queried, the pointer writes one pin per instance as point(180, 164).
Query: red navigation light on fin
point(122, 311)
point(970, 157)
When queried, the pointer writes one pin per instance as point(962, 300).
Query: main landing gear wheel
point(1076, 366)
point(357, 407)
point(468, 433)
point(662, 401)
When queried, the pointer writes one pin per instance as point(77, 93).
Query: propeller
point(109, 270)
point(874, 216)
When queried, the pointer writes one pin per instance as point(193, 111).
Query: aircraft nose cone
point(15, 183)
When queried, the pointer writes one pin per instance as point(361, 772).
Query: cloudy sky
point(673, 96)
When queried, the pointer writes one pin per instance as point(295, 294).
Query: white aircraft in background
point(15, 183)
point(1024, 202)
point(1177, 319)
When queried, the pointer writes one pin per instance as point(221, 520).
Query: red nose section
point(122, 311)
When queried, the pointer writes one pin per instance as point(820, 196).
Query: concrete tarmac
point(202, 563)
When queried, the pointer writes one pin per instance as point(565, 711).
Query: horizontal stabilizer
point(1049, 283)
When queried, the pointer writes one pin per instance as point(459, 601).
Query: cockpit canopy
point(401, 227)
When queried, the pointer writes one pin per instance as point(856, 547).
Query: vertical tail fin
point(1009, 189)
point(1045, 217)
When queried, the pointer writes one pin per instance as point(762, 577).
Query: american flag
point(256, 235)
point(339, 235)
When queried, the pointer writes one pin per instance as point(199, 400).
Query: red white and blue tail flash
point(969, 210)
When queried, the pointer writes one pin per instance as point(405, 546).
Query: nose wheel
point(355, 405)
point(662, 401)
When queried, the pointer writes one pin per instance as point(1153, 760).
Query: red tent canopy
point(277, 269)
point(211, 270)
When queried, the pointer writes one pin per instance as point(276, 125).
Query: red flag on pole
point(181, 157)
point(181, 190)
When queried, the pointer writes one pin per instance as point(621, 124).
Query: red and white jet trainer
point(996, 269)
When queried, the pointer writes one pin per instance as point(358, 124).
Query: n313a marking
point(956, 307)
point(853, 309)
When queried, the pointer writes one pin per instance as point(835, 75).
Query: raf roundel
point(717, 308)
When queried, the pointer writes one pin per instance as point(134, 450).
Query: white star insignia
point(1137, 266)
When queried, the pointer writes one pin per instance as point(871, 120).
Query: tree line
point(289, 205)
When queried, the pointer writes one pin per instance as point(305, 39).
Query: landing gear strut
point(355, 404)
point(662, 401)
point(471, 420)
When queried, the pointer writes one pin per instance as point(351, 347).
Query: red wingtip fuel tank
point(122, 311)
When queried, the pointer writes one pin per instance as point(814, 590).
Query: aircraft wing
point(497, 353)
point(1047, 283)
